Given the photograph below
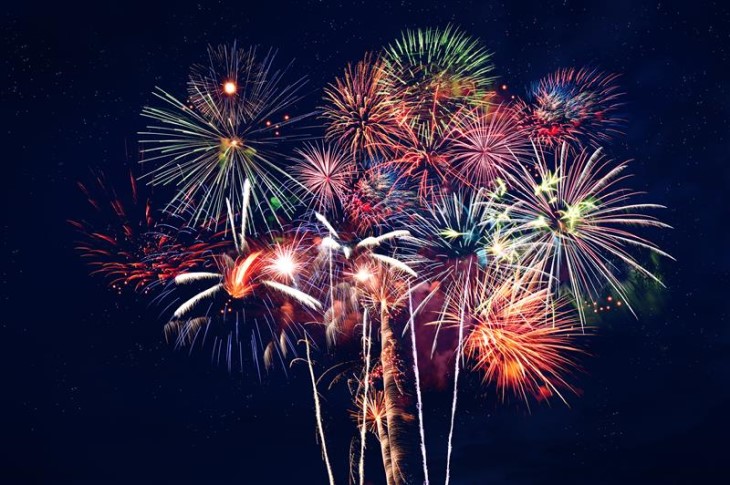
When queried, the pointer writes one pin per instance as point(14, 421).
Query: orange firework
point(359, 113)
point(517, 340)
point(374, 408)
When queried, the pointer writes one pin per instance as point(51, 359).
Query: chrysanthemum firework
point(520, 344)
point(358, 112)
point(577, 219)
point(325, 172)
point(209, 149)
point(464, 229)
point(485, 142)
point(436, 72)
point(224, 84)
point(135, 246)
point(422, 159)
point(574, 105)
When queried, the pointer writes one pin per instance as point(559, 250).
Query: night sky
point(92, 393)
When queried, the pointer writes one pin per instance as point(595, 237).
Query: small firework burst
point(575, 105)
point(326, 172)
point(374, 408)
point(225, 85)
point(378, 197)
point(485, 142)
point(576, 220)
point(358, 113)
point(422, 159)
point(207, 152)
point(132, 245)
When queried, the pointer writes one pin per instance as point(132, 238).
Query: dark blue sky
point(91, 392)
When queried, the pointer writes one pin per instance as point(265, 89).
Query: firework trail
point(457, 362)
point(366, 347)
point(419, 400)
point(318, 414)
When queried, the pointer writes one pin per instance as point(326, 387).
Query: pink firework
point(485, 142)
point(325, 172)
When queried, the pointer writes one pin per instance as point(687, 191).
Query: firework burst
point(378, 199)
point(518, 343)
point(326, 172)
point(207, 151)
point(576, 218)
point(132, 245)
point(358, 112)
point(435, 73)
point(258, 290)
point(485, 142)
point(572, 105)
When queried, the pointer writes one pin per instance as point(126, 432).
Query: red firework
point(518, 341)
point(127, 244)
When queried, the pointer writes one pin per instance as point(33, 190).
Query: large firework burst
point(485, 142)
point(577, 220)
point(575, 105)
point(435, 73)
point(226, 136)
point(520, 344)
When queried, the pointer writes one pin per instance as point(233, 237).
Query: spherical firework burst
point(358, 112)
point(422, 159)
point(575, 105)
point(375, 413)
point(485, 142)
point(326, 172)
point(577, 221)
point(207, 151)
point(435, 73)
point(520, 344)
point(378, 197)
point(135, 247)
